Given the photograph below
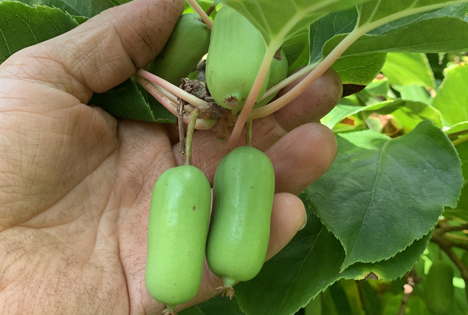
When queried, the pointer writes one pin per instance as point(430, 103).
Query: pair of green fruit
point(239, 231)
point(235, 53)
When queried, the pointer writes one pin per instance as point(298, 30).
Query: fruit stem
point(197, 8)
point(226, 291)
point(189, 98)
point(248, 134)
point(190, 132)
point(293, 77)
point(310, 79)
point(180, 126)
point(252, 98)
point(211, 8)
point(169, 311)
point(201, 124)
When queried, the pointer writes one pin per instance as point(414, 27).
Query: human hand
point(75, 183)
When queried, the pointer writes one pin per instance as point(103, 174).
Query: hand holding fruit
point(75, 183)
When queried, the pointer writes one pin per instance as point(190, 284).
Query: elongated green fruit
point(278, 72)
point(439, 288)
point(188, 43)
point(234, 58)
point(243, 192)
point(177, 232)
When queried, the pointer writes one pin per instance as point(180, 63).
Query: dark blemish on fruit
point(194, 208)
point(231, 101)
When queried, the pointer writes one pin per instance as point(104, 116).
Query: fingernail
point(305, 223)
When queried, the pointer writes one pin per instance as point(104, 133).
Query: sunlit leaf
point(408, 69)
point(452, 96)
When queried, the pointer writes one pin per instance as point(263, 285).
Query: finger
point(320, 98)
point(313, 104)
point(299, 158)
point(302, 156)
point(287, 218)
point(104, 51)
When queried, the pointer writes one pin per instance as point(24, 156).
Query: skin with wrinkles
point(75, 183)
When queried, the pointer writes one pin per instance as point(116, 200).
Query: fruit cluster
point(180, 233)
point(237, 241)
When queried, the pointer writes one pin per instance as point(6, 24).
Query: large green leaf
point(444, 29)
point(279, 20)
point(86, 8)
point(385, 38)
point(452, 96)
point(22, 26)
point(384, 11)
point(381, 194)
point(307, 266)
point(409, 69)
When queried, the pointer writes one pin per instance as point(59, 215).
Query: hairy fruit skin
point(439, 288)
point(243, 191)
point(234, 59)
point(177, 232)
point(188, 43)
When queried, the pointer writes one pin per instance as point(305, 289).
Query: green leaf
point(392, 193)
point(370, 298)
point(126, 100)
point(215, 306)
point(413, 93)
point(85, 8)
point(22, 26)
point(336, 23)
point(409, 69)
point(441, 30)
point(452, 96)
point(390, 269)
point(297, 51)
point(314, 307)
point(338, 300)
point(361, 69)
point(408, 112)
point(307, 266)
point(415, 306)
point(461, 211)
point(374, 12)
point(459, 127)
point(353, 296)
point(280, 20)
point(379, 88)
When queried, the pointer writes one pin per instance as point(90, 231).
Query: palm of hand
point(75, 184)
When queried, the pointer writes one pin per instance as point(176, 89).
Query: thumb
point(102, 52)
